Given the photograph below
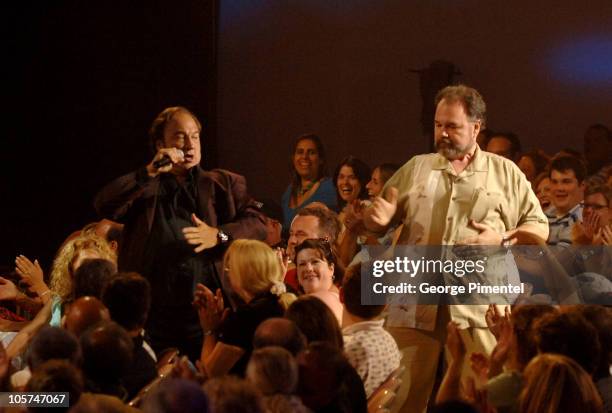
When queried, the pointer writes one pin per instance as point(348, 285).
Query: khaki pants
point(421, 353)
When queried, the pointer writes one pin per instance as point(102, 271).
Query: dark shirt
point(171, 265)
point(142, 371)
point(239, 327)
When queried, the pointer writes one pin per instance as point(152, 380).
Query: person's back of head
point(280, 332)
point(107, 352)
point(523, 319)
point(554, 383)
point(92, 276)
point(273, 370)
point(601, 318)
point(506, 144)
point(57, 376)
point(53, 343)
point(569, 334)
point(230, 394)
point(176, 396)
point(128, 299)
point(84, 313)
point(328, 381)
point(350, 295)
point(315, 320)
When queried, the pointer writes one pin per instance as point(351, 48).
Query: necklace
point(302, 191)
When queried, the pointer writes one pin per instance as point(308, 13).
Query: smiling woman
point(308, 181)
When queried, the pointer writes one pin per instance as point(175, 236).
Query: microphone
point(160, 163)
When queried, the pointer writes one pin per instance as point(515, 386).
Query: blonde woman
point(255, 274)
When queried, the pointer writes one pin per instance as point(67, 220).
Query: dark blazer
point(223, 202)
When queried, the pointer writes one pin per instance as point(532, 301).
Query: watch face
point(223, 236)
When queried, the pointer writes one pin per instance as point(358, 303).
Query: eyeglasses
point(595, 207)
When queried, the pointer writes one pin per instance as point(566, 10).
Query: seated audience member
point(50, 343)
point(107, 356)
point(107, 229)
point(557, 384)
point(176, 396)
point(601, 318)
point(280, 332)
point(569, 334)
point(566, 175)
point(596, 216)
point(319, 273)
point(230, 394)
point(507, 145)
point(351, 177)
point(83, 313)
point(533, 164)
point(57, 376)
point(316, 321)
point(101, 403)
point(370, 349)
point(274, 228)
point(255, 275)
point(356, 234)
point(597, 151)
point(92, 276)
point(128, 298)
point(328, 382)
point(541, 187)
point(274, 371)
point(310, 222)
point(309, 182)
point(515, 348)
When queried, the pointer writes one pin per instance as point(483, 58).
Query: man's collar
point(477, 164)
point(575, 212)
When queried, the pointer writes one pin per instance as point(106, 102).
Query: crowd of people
point(189, 295)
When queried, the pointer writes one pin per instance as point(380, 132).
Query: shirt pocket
point(489, 208)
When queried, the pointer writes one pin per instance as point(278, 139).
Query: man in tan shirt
point(460, 195)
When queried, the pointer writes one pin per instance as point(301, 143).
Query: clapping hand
point(211, 308)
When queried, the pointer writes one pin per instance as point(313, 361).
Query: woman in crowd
point(351, 177)
point(308, 181)
point(557, 384)
point(541, 187)
point(318, 273)
point(355, 233)
point(255, 275)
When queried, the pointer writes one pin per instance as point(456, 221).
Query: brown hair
point(472, 101)
point(156, 131)
point(557, 384)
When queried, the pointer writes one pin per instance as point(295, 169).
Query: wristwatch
point(222, 237)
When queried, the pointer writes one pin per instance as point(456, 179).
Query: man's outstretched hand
point(382, 210)
point(202, 235)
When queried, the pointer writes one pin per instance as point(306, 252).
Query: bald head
point(279, 332)
point(84, 313)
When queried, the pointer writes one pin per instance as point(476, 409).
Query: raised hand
point(8, 290)
point(211, 308)
point(454, 342)
point(30, 272)
point(202, 235)
point(382, 210)
point(493, 318)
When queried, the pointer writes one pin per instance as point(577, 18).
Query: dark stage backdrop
point(85, 80)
